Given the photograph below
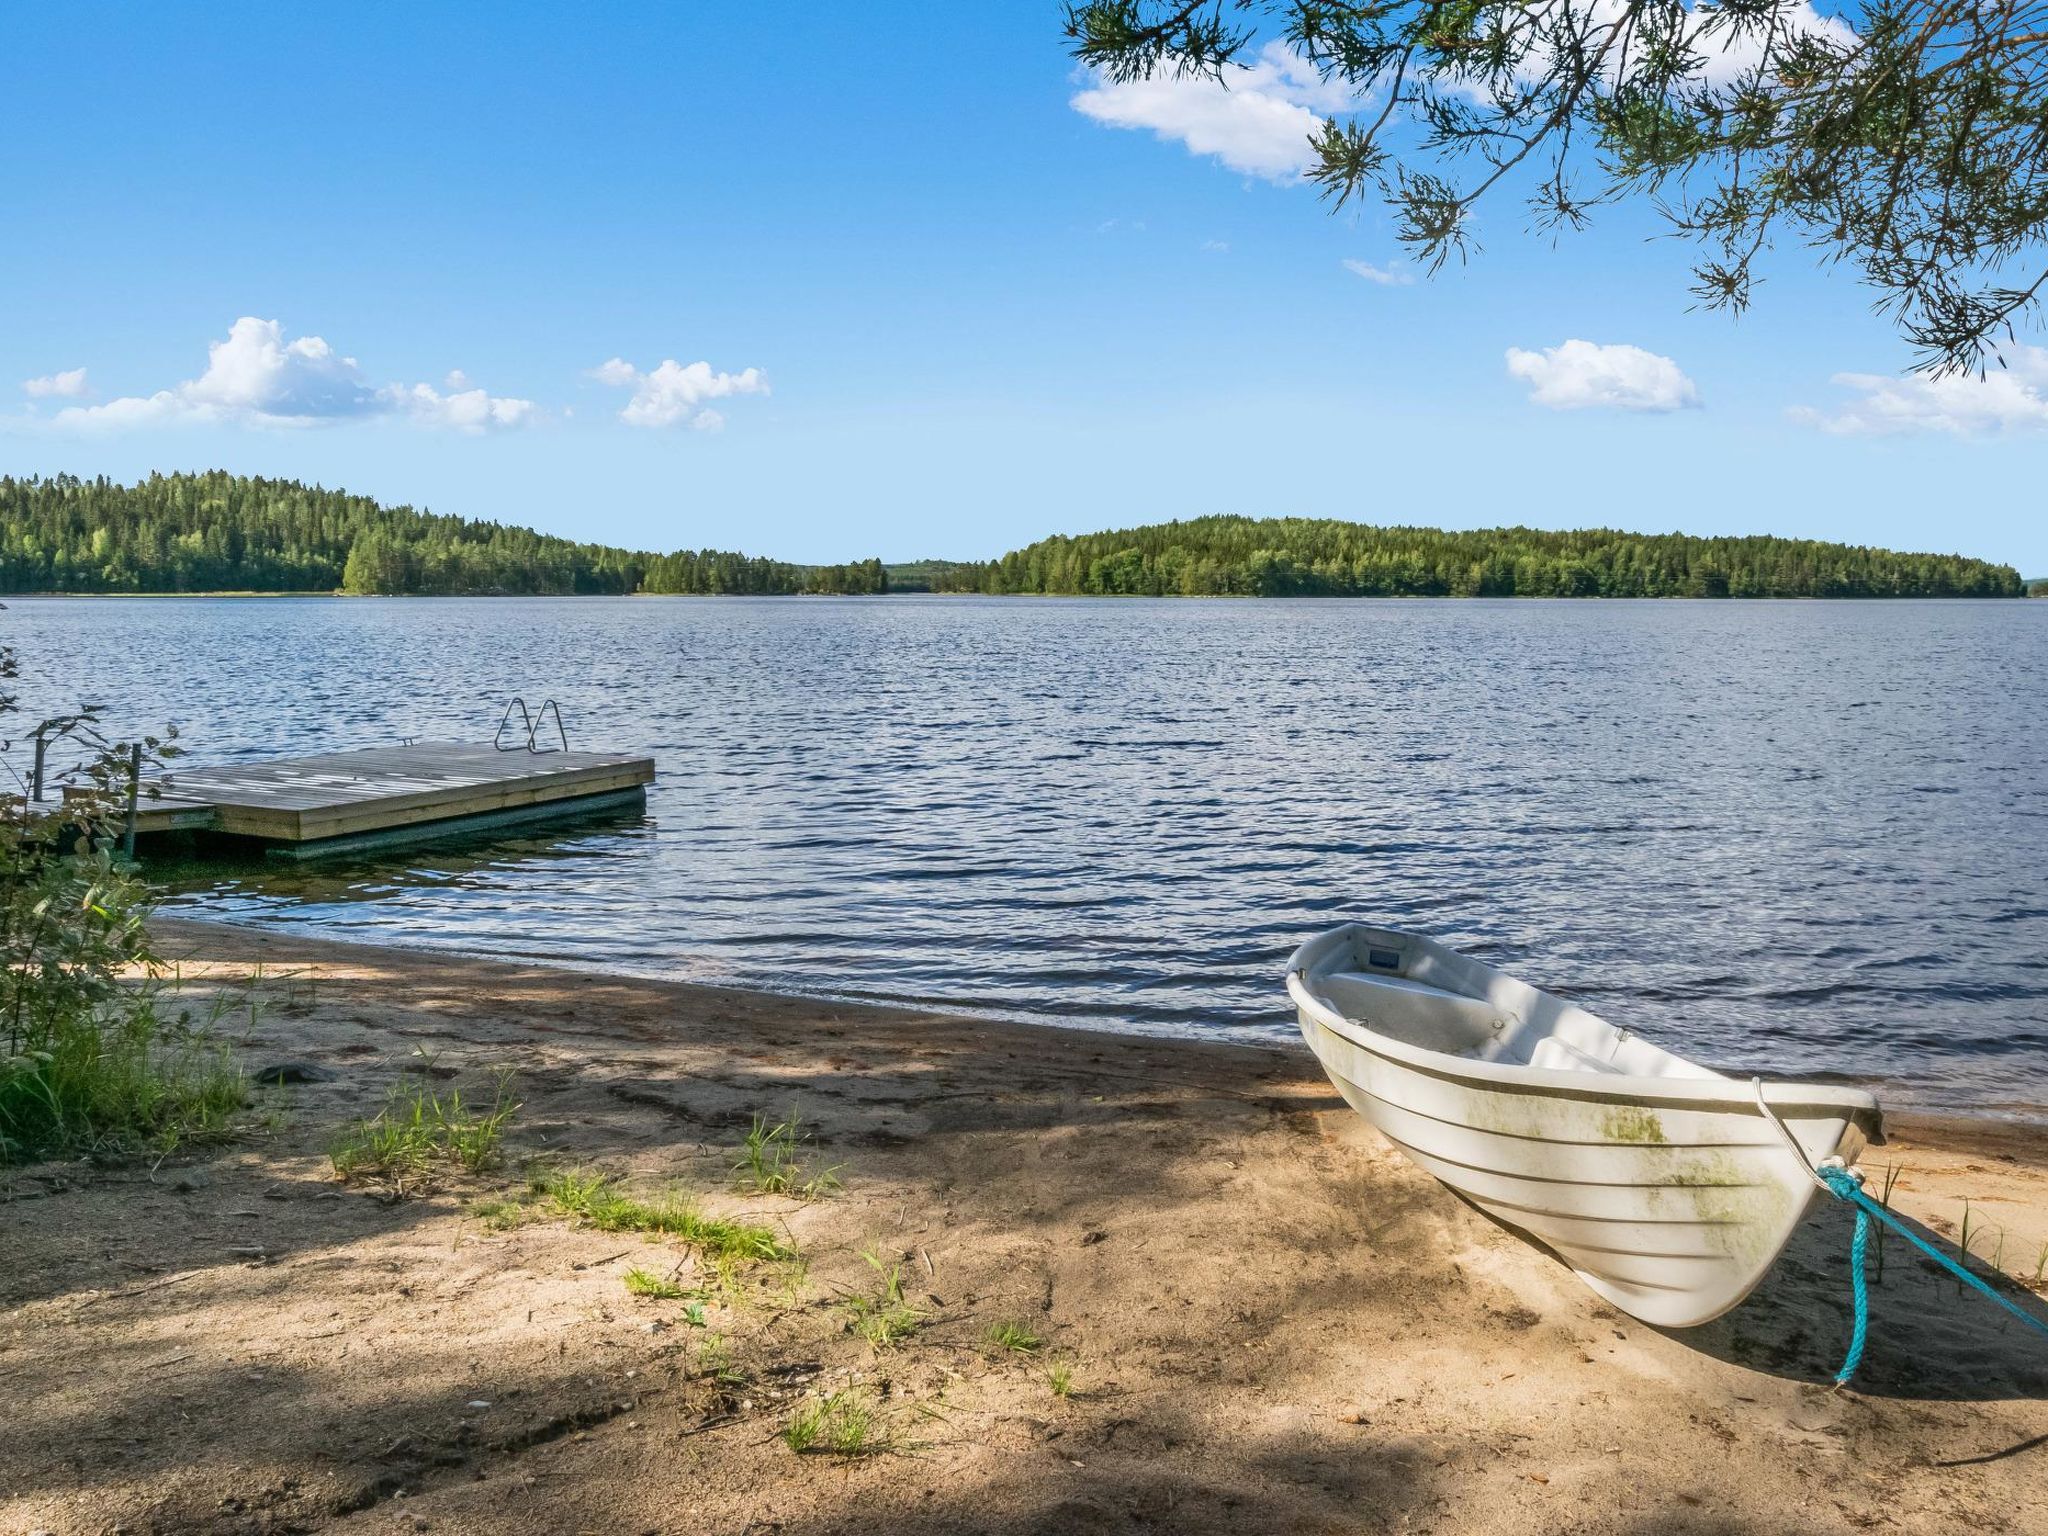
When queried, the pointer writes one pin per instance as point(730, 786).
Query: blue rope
point(1859, 1287)
point(1842, 1184)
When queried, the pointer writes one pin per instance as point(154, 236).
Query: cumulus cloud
point(255, 377)
point(461, 410)
point(1580, 374)
point(1392, 275)
point(2009, 399)
point(69, 385)
point(673, 394)
point(1257, 119)
point(1731, 52)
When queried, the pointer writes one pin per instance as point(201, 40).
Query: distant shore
point(1140, 1284)
point(1091, 597)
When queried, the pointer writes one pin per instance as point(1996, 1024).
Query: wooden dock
point(348, 801)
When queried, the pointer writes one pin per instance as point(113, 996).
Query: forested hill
point(1303, 557)
point(218, 532)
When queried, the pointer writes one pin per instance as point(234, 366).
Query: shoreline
point(1140, 1285)
point(2025, 1122)
point(1089, 597)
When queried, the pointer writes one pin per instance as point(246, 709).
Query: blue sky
point(940, 308)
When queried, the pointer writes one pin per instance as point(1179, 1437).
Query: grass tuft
point(1884, 1198)
point(771, 1162)
point(645, 1282)
point(1060, 1377)
point(116, 1079)
point(1014, 1337)
point(795, 1273)
point(594, 1199)
point(884, 1318)
point(713, 1361)
point(419, 1131)
point(500, 1213)
point(842, 1423)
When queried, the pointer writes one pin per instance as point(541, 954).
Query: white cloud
point(1257, 119)
point(255, 377)
point(1731, 52)
point(1580, 374)
point(673, 394)
point(2009, 399)
point(1392, 275)
point(1727, 52)
point(256, 372)
point(464, 410)
point(1220, 247)
point(69, 384)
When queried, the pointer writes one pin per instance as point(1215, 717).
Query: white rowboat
point(1662, 1184)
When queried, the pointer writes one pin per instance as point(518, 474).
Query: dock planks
point(382, 790)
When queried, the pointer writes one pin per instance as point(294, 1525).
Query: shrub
point(87, 1060)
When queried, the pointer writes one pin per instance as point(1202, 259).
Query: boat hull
point(1670, 1198)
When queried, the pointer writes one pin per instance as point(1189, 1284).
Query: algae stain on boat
point(1633, 1124)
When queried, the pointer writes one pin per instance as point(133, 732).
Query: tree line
point(1313, 557)
point(217, 532)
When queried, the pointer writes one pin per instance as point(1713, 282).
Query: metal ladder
point(533, 722)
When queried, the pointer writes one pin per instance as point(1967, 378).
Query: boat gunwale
point(1703, 1093)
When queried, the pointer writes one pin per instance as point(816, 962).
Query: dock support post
point(134, 791)
point(36, 777)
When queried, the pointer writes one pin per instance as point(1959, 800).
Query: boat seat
point(1413, 1011)
point(1558, 1055)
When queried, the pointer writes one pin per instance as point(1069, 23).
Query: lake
point(1782, 837)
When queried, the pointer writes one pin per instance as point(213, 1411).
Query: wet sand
point(1267, 1319)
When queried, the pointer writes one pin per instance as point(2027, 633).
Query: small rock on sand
point(279, 1072)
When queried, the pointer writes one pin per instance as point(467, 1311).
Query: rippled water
point(1786, 837)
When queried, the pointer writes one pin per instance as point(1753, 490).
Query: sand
point(1267, 1319)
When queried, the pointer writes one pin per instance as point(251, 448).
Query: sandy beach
point(1249, 1313)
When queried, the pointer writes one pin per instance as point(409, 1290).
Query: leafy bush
point(87, 1061)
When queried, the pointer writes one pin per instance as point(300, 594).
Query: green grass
point(842, 1423)
point(771, 1162)
point(419, 1132)
point(794, 1275)
point(715, 1363)
point(120, 1079)
point(645, 1282)
point(1884, 1198)
point(1060, 1377)
point(594, 1199)
point(500, 1213)
point(1014, 1337)
point(884, 1318)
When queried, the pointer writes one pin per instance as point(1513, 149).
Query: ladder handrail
point(548, 706)
point(534, 721)
point(498, 737)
